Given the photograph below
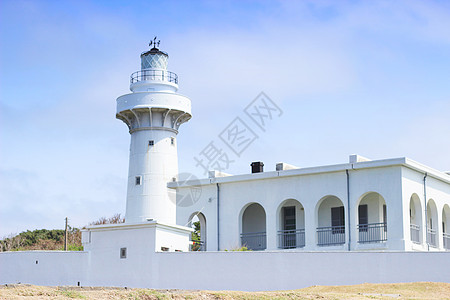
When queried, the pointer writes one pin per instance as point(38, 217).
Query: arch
point(291, 224)
point(253, 226)
point(446, 226)
point(199, 245)
point(330, 221)
point(432, 224)
point(415, 219)
point(372, 218)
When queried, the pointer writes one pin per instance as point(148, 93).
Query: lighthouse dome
point(154, 59)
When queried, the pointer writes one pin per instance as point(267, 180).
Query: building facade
point(391, 204)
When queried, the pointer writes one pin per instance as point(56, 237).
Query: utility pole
point(65, 237)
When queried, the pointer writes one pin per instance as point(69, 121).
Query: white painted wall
point(257, 271)
point(44, 267)
point(248, 271)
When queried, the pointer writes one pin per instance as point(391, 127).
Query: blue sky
point(365, 77)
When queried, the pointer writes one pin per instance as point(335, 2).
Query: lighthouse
point(153, 112)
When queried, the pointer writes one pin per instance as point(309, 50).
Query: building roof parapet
point(124, 226)
point(402, 161)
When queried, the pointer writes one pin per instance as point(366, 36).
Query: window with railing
point(289, 239)
point(415, 233)
point(332, 235)
point(431, 237)
point(254, 240)
point(446, 237)
point(372, 233)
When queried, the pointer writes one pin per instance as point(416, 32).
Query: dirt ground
point(419, 290)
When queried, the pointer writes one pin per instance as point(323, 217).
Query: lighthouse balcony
point(154, 75)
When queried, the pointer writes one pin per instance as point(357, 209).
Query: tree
point(115, 219)
point(195, 237)
point(11, 242)
point(44, 239)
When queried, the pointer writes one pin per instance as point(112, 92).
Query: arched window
point(432, 224)
point(446, 226)
point(198, 238)
point(291, 225)
point(415, 219)
point(372, 219)
point(253, 234)
point(331, 222)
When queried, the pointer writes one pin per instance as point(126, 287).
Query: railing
point(333, 235)
point(431, 237)
point(198, 246)
point(415, 233)
point(289, 239)
point(372, 233)
point(157, 75)
point(446, 241)
point(254, 240)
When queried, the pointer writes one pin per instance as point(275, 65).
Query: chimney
point(257, 166)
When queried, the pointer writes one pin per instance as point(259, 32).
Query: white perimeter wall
point(258, 271)
point(52, 267)
point(248, 271)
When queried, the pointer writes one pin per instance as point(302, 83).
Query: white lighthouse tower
point(153, 113)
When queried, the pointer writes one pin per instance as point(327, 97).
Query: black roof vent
point(257, 166)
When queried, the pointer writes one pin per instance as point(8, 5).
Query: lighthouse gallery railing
point(151, 74)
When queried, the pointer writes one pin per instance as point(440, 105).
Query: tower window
point(172, 141)
point(151, 142)
point(123, 252)
point(138, 180)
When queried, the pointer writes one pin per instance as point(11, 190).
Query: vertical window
point(363, 217)
point(123, 252)
point(138, 180)
point(384, 217)
point(172, 141)
point(338, 219)
point(289, 236)
point(289, 218)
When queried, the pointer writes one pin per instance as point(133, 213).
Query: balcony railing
point(254, 240)
point(372, 233)
point(446, 241)
point(333, 235)
point(198, 246)
point(155, 75)
point(415, 233)
point(290, 239)
point(431, 237)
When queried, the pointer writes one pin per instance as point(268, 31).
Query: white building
point(381, 214)
point(391, 204)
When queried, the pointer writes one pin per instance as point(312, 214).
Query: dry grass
point(420, 290)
